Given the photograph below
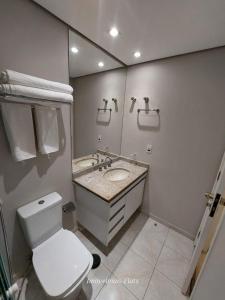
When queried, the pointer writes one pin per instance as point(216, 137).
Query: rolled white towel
point(13, 77)
point(19, 90)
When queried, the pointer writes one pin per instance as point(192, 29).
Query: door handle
point(210, 199)
point(209, 196)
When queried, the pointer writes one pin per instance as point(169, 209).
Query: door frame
point(210, 248)
point(204, 228)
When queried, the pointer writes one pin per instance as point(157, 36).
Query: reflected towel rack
point(105, 109)
point(157, 110)
point(4, 98)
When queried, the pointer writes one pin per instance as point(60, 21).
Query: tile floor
point(146, 261)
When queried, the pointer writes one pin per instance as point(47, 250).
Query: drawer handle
point(116, 202)
point(139, 181)
point(117, 223)
point(116, 213)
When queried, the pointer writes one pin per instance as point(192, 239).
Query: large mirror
point(99, 89)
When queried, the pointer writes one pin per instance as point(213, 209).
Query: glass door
point(4, 283)
point(5, 274)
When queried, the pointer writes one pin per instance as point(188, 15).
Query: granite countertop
point(95, 181)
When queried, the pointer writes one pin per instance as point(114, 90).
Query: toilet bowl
point(61, 262)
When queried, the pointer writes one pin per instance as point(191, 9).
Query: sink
point(86, 162)
point(116, 174)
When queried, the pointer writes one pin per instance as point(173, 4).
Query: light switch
point(99, 138)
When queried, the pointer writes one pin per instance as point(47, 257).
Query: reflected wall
point(98, 112)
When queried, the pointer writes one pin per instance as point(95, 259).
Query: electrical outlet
point(99, 138)
point(149, 149)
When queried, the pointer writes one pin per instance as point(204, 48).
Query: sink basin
point(116, 174)
point(86, 162)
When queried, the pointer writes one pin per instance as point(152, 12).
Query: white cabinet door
point(134, 199)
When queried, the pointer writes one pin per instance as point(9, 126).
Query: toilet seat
point(60, 262)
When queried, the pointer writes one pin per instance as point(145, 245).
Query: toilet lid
point(60, 262)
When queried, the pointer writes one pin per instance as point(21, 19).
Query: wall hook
point(146, 99)
point(105, 100)
point(114, 100)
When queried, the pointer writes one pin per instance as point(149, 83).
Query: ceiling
point(157, 28)
point(86, 60)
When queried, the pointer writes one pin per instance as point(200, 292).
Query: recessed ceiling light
point(137, 54)
point(101, 64)
point(114, 32)
point(74, 50)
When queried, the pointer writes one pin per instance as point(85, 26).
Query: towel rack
point(157, 110)
point(4, 98)
point(110, 109)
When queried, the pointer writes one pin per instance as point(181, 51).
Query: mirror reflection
point(99, 89)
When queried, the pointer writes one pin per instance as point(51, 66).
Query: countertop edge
point(114, 196)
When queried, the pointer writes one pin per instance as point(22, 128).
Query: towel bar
point(157, 110)
point(110, 109)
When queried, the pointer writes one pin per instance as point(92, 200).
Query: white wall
point(35, 43)
point(189, 142)
point(88, 124)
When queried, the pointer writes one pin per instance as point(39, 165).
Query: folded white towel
point(20, 90)
point(46, 122)
point(19, 129)
point(12, 77)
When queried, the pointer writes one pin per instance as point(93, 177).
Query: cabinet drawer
point(113, 231)
point(114, 220)
point(116, 206)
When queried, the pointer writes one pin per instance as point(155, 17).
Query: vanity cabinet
point(104, 219)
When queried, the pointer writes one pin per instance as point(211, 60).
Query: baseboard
point(179, 230)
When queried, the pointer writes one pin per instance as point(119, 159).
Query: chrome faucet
point(97, 156)
point(110, 161)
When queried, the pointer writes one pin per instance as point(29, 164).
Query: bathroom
point(135, 186)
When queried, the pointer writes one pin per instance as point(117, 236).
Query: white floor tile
point(135, 273)
point(147, 247)
point(156, 230)
point(93, 284)
point(34, 290)
point(115, 290)
point(134, 229)
point(180, 243)
point(112, 259)
point(160, 288)
point(173, 265)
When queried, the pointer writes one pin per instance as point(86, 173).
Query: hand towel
point(15, 78)
point(18, 122)
point(20, 90)
point(46, 123)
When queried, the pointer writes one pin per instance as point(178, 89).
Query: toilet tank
point(41, 218)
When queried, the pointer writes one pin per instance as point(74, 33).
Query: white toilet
point(60, 260)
